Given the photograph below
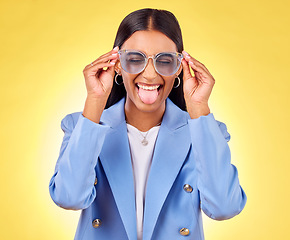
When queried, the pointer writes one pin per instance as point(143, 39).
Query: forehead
point(150, 42)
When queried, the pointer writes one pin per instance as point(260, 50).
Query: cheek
point(128, 80)
point(169, 82)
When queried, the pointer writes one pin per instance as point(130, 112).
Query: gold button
point(96, 223)
point(187, 188)
point(96, 181)
point(184, 231)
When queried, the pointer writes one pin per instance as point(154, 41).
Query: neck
point(143, 120)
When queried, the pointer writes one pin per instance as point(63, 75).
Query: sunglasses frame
point(153, 57)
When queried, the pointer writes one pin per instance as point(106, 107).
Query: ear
point(118, 67)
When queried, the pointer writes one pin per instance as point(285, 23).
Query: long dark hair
point(149, 19)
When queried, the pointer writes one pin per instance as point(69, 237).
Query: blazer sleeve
point(221, 195)
point(72, 184)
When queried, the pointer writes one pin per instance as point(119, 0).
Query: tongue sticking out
point(148, 96)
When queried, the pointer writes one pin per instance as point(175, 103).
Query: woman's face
point(148, 90)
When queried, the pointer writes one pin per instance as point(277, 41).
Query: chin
point(150, 108)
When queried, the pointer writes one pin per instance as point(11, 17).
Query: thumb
point(186, 72)
point(111, 69)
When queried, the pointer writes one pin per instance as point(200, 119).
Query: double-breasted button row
point(187, 188)
point(184, 231)
point(96, 223)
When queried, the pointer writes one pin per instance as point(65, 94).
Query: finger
point(111, 68)
point(187, 76)
point(114, 50)
point(198, 67)
point(96, 68)
point(202, 77)
point(198, 77)
point(195, 67)
point(113, 54)
point(188, 58)
point(186, 71)
point(201, 72)
point(107, 58)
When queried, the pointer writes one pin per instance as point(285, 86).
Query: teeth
point(150, 88)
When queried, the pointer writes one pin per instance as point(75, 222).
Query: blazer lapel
point(172, 146)
point(116, 161)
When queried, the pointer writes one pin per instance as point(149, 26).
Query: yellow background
point(46, 44)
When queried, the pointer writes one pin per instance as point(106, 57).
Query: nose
point(149, 71)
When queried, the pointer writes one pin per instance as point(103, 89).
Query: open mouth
point(149, 87)
point(148, 93)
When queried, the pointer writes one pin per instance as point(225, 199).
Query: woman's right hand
point(99, 82)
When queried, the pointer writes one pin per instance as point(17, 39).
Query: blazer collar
point(114, 115)
point(173, 118)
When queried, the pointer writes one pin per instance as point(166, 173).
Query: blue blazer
point(94, 173)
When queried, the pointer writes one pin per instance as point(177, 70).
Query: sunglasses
point(165, 63)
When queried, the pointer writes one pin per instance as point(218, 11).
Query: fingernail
point(115, 48)
point(112, 63)
point(114, 54)
point(184, 52)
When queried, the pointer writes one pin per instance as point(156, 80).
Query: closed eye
point(135, 61)
point(165, 59)
point(164, 62)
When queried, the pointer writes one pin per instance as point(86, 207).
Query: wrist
point(94, 108)
point(97, 98)
point(198, 110)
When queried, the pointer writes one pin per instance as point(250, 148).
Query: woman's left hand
point(197, 88)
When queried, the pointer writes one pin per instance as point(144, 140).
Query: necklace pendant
point(144, 142)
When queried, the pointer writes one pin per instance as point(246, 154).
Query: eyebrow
point(133, 52)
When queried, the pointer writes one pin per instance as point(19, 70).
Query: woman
point(146, 155)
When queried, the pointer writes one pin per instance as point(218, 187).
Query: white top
point(141, 157)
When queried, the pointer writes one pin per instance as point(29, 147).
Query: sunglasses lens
point(132, 62)
point(167, 64)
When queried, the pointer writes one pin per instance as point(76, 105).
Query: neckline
point(157, 126)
